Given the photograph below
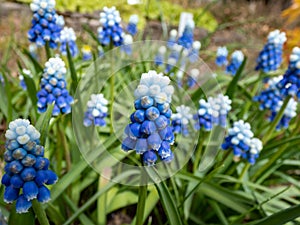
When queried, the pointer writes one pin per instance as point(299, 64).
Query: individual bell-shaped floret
point(221, 59)
point(237, 58)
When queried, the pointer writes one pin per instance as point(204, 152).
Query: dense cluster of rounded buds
point(270, 57)
point(221, 59)
point(237, 57)
point(187, 38)
point(68, 37)
point(181, 119)
point(271, 99)
point(46, 25)
point(212, 112)
point(150, 132)
point(290, 83)
point(96, 111)
point(54, 88)
point(111, 29)
point(26, 170)
point(240, 140)
point(132, 25)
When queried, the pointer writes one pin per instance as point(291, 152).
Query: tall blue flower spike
point(21, 78)
point(172, 38)
point(221, 59)
point(68, 37)
point(160, 56)
point(150, 132)
point(237, 58)
point(86, 53)
point(194, 52)
point(290, 84)
point(270, 57)
point(240, 140)
point(127, 46)
point(26, 170)
point(204, 116)
point(44, 26)
point(96, 111)
point(54, 88)
point(181, 119)
point(271, 99)
point(111, 30)
point(221, 105)
point(187, 38)
point(132, 25)
point(193, 77)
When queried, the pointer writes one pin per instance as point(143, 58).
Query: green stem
point(65, 146)
point(276, 120)
point(48, 50)
point(40, 213)
point(112, 88)
point(142, 198)
point(241, 177)
point(199, 150)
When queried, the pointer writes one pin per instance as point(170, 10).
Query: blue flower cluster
point(240, 140)
point(68, 37)
point(193, 78)
point(127, 46)
point(270, 57)
point(290, 84)
point(271, 99)
point(26, 170)
point(181, 119)
point(132, 25)
point(172, 38)
point(194, 52)
point(187, 38)
point(149, 132)
point(96, 111)
point(53, 88)
point(221, 59)
point(237, 58)
point(212, 112)
point(44, 26)
point(21, 78)
point(86, 53)
point(111, 30)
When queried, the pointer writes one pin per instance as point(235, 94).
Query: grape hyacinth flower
point(174, 57)
point(193, 78)
point(240, 140)
point(26, 170)
point(270, 57)
point(172, 38)
point(96, 111)
point(204, 116)
point(290, 83)
point(86, 53)
point(111, 29)
point(44, 27)
point(187, 38)
point(194, 53)
point(237, 58)
point(21, 78)
point(127, 46)
point(150, 132)
point(221, 105)
point(53, 88)
point(221, 59)
point(181, 119)
point(132, 25)
point(68, 37)
point(160, 56)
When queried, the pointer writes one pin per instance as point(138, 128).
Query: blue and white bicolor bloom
point(160, 56)
point(127, 45)
point(26, 170)
point(187, 38)
point(221, 59)
point(54, 88)
point(204, 116)
point(172, 38)
point(132, 25)
point(44, 26)
point(181, 120)
point(237, 58)
point(220, 105)
point(96, 111)
point(21, 78)
point(290, 84)
point(150, 133)
point(270, 57)
point(68, 37)
point(86, 51)
point(194, 52)
point(240, 140)
point(193, 78)
point(111, 30)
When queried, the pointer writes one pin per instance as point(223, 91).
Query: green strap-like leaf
point(42, 125)
point(72, 71)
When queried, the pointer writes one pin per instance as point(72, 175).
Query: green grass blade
point(42, 125)
point(72, 71)
point(31, 89)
